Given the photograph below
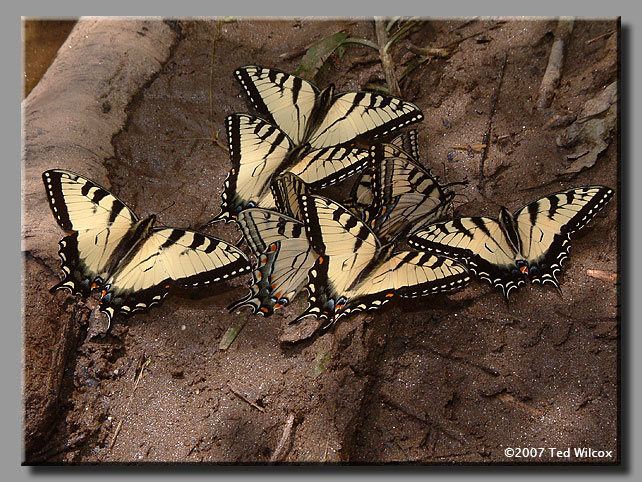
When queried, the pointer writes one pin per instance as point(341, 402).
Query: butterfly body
point(131, 262)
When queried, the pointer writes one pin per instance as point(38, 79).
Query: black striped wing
point(168, 257)
point(284, 257)
point(544, 227)
point(353, 271)
point(361, 195)
point(285, 99)
point(543, 230)
point(322, 167)
point(257, 151)
point(286, 190)
point(291, 103)
point(477, 241)
point(354, 114)
point(406, 197)
point(405, 145)
point(99, 221)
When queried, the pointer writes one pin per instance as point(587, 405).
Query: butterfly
point(133, 263)
point(321, 118)
point(532, 243)
point(362, 195)
point(355, 272)
point(283, 252)
point(405, 196)
point(260, 152)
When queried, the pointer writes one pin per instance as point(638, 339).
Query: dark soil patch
point(447, 379)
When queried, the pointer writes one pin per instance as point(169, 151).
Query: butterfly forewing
point(544, 227)
point(257, 150)
point(100, 221)
point(412, 274)
point(406, 197)
point(323, 167)
point(288, 100)
point(353, 114)
point(361, 194)
point(479, 242)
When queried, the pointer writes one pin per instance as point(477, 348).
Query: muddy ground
point(449, 379)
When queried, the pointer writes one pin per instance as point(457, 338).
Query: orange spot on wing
point(264, 309)
point(321, 260)
point(389, 295)
point(273, 247)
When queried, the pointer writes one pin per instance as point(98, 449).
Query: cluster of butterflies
point(351, 256)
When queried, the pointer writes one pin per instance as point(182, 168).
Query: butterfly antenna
point(161, 212)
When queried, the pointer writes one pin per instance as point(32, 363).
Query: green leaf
point(321, 359)
point(316, 55)
point(231, 334)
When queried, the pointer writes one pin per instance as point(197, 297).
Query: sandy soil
point(445, 380)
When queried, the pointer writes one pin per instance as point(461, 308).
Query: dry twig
point(600, 37)
point(236, 392)
point(553, 72)
point(603, 275)
point(283, 447)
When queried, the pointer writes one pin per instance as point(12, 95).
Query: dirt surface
point(444, 380)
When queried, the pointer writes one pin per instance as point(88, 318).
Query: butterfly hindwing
point(406, 145)
point(284, 257)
